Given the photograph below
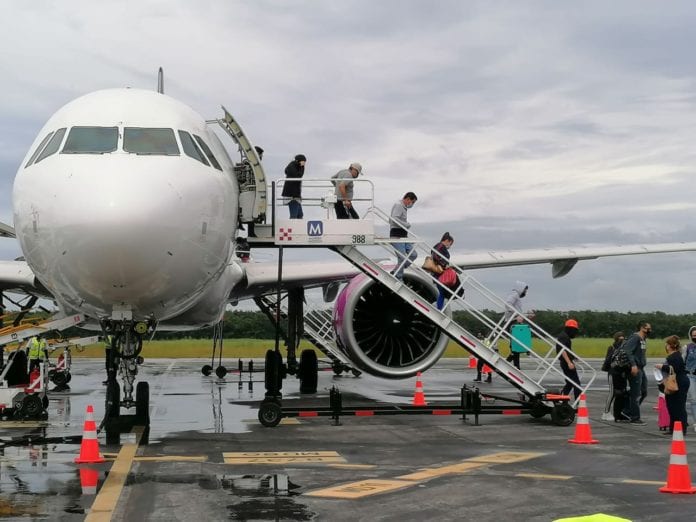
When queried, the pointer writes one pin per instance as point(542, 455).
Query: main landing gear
point(122, 360)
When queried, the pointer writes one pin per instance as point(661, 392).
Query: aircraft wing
point(16, 275)
point(261, 278)
point(6, 230)
point(562, 259)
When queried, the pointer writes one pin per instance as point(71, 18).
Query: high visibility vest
point(34, 348)
point(108, 339)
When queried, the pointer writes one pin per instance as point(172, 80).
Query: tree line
point(255, 325)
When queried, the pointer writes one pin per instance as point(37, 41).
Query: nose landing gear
point(122, 360)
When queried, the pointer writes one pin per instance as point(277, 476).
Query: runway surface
point(208, 457)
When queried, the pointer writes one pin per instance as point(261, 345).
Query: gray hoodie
point(513, 303)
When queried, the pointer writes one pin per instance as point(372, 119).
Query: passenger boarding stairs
point(477, 298)
point(318, 329)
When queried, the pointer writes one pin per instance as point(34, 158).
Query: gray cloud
point(522, 124)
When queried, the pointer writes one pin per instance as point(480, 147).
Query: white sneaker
point(607, 417)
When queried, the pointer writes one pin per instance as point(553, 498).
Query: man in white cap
point(344, 191)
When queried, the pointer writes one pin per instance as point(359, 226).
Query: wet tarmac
point(208, 457)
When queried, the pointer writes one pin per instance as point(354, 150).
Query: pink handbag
point(449, 278)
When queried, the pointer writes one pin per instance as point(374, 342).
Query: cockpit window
point(91, 140)
point(39, 149)
point(52, 146)
point(190, 148)
point(159, 142)
point(208, 152)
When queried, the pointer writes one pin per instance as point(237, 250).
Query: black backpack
point(619, 359)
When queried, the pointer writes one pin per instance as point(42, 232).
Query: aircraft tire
point(309, 371)
point(113, 399)
point(207, 370)
point(273, 372)
point(142, 402)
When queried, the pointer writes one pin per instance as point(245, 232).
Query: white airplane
point(127, 208)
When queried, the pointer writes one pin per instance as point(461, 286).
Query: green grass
point(256, 348)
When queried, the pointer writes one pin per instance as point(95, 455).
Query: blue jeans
point(403, 251)
point(295, 209)
point(638, 391)
point(692, 397)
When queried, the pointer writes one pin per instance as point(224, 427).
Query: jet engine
point(383, 335)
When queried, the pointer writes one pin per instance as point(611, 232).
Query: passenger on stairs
point(567, 359)
point(441, 258)
point(399, 225)
point(293, 189)
point(513, 307)
point(344, 191)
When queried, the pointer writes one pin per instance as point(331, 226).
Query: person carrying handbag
point(674, 366)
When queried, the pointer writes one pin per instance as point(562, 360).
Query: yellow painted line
point(646, 482)
point(363, 488)
point(107, 498)
point(288, 421)
point(269, 454)
point(544, 476)
point(24, 424)
point(506, 457)
point(282, 457)
point(353, 466)
point(285, 460)
point(173, 458)
point(431, 473)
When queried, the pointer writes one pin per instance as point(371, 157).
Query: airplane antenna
point(160, 81)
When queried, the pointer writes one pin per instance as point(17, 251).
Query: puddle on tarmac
point(257, 497)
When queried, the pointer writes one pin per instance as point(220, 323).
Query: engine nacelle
point(383, 335)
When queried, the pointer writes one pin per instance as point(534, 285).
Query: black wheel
point(273, 372)
point(68, 377)
point(562, 414)
point(539, 410)
point(113, 433)
point(113, 399)
point(356, 373)
point(51, 373)
point(44, 402)
point(207, 370)
point(142, 402)
point(309, 371)
point(59, 378)
point(31, 406)
point(337, 369)
point(270, 413)
point(221, 371)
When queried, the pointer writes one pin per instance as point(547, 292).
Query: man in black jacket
point(293, 189)
point(567, 358)
point(635, 347)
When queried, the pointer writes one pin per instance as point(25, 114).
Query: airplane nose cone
point(150, 239)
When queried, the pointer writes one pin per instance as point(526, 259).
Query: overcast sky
point(518, 124)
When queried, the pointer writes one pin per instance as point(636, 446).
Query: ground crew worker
point(38, 350)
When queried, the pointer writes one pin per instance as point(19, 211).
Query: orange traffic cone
point(678, 476)
point(419, 396)
point(88, 481)
point(583, 432)
point(472, 361)
point(89, 449)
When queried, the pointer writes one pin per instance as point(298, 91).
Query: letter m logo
point(315, 228)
